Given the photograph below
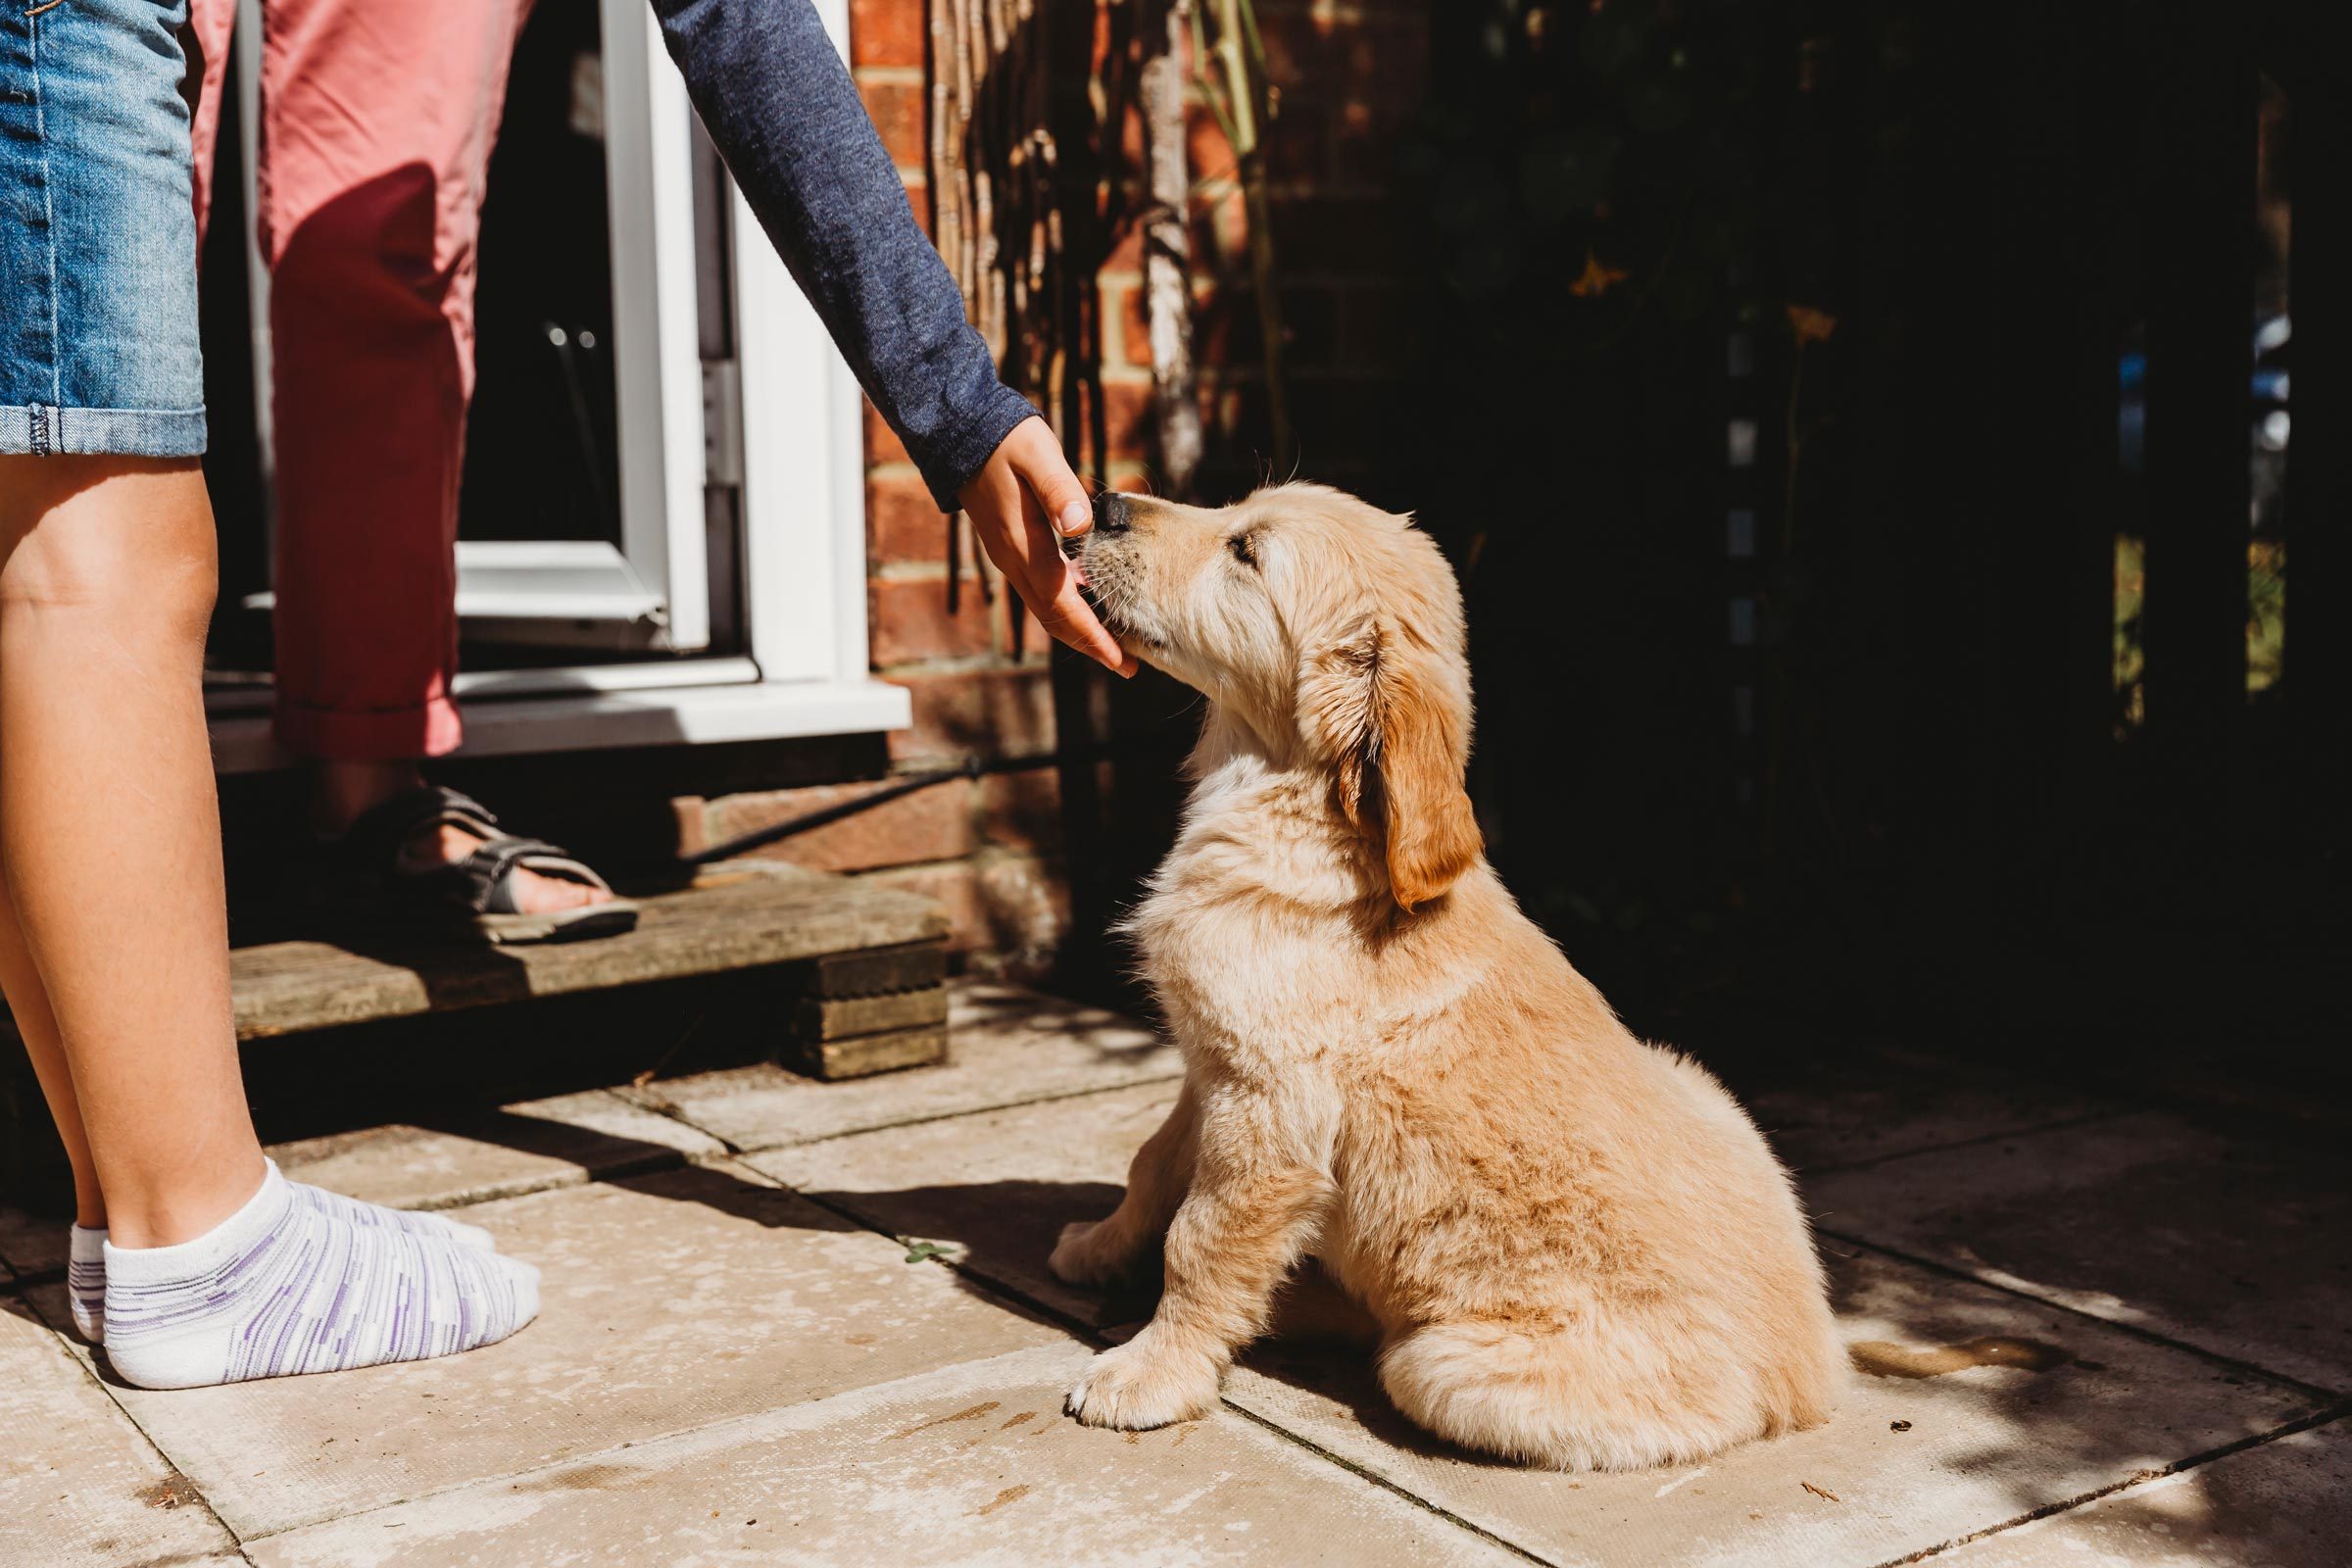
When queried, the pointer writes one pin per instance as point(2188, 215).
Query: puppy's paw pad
point(1134, 1390)
point(1081, 1256)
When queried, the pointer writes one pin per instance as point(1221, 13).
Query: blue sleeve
point(785, 114)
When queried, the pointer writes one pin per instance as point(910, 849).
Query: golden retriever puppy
point(1577, 1247)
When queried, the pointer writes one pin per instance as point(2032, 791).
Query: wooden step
point(729, 919)
point(826, 975)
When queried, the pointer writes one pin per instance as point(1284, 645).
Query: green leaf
point(922, 1251)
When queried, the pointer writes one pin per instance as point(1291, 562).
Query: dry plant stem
point(1243, 99)
point(1167, 249)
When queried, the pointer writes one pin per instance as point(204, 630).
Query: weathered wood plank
point(868, 1054)
point(840, 1017)
point(869, 973)
point(725, 923)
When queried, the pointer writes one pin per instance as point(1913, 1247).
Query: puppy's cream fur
point(1578, 1249)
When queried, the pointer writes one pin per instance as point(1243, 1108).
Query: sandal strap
point(376, 838)
point(487, 875)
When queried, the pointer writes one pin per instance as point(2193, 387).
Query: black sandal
point(478, 892)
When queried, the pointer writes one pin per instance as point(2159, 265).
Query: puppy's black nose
point(1110, 512)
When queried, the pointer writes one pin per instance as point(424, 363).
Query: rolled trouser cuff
point(40, 429)
point(368, 735)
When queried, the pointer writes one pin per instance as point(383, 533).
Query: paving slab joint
point(2061, 1123)
point(2141, 1478)
point(1384, 1483)
point(2313, 1391)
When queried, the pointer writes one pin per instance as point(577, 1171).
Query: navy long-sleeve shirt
point(780, 105)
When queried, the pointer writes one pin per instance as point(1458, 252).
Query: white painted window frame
point(804, 670)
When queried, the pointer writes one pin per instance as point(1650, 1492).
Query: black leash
point(971, 767)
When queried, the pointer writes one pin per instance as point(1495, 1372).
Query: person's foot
point(345, 791)
point(86, 1266)
point(447, 843)
point(287, 1285)
point(85, 1282)
point(416, 1222)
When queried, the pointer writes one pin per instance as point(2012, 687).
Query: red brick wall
point(1347, 78)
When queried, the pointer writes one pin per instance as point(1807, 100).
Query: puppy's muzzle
point(1112, 515)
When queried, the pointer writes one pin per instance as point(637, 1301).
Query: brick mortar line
point(1298, 376)
point(1337, 282)
point(958, 665)
point(2142, 1479)
point(2313, 1391)
point(1345, 12)
point(991, 851)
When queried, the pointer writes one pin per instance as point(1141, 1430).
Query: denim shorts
point(98, 346)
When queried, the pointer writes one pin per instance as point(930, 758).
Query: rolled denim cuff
point(40, 429)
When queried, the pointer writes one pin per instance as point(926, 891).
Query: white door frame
point(805, 669)
point(656, 357)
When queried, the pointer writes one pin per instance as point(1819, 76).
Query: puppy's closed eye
point(1245, 549)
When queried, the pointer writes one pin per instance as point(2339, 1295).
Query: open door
point(631, 570)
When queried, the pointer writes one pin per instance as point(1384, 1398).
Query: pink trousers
point(376, 125)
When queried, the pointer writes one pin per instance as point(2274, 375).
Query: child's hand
point(1025, 482)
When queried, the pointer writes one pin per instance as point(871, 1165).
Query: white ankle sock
point(286, 1285)
point(85, 1282)
point(86, 1266)
point(362, 1212)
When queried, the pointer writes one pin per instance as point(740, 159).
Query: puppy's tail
point(1564, 1401)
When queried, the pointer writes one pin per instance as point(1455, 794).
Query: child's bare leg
point(117, 954)
point(110, 831)
point(28, 1004)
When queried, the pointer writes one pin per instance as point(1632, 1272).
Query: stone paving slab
point(994, 1188)
point(1824, 1109)
point(79, 1485)
point(1019, 1174)
point(971, 1465)
point(670, 1302)
point(2240, 1242)
point(2284, 1504)
point(1005, 1046)
point(475, 1157)
point(1987, 1444)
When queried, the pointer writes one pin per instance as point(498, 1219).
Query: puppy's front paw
point(1087, 1255)
point(1137, 1386)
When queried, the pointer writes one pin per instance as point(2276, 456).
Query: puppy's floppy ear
point(1386, 708)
